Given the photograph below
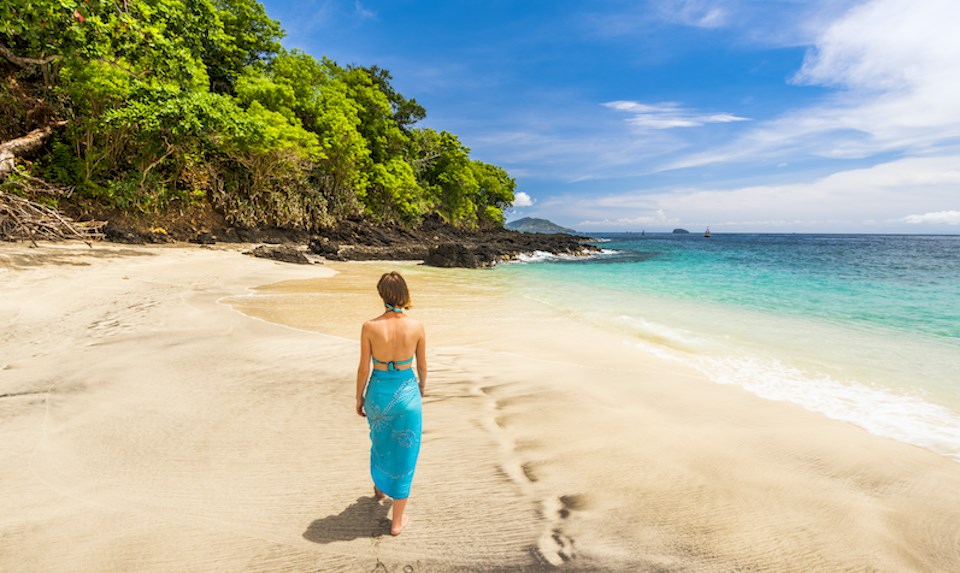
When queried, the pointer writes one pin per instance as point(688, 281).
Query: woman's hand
point(360, 411)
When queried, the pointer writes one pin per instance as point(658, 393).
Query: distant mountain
point(534, 225)
point(681, 232)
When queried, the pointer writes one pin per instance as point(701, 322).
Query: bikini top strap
point(392, 365)
point(393, 308)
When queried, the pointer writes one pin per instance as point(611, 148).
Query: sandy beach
point(177, 408)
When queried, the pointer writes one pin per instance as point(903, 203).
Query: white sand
point(148, 427)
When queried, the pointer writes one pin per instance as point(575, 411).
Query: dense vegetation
point(174, 104)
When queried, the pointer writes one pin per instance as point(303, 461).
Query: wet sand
point(156, 415)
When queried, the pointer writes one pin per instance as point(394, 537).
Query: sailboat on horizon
point(707, 232)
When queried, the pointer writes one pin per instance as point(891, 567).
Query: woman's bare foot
point(377, 493)
point(394, 530)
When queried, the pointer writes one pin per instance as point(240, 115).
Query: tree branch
point(123, 68)
point(170, 149)
point(11, 150)
point(26, 62)
point(24, 219)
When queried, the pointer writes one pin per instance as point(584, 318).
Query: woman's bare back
point(393, 338)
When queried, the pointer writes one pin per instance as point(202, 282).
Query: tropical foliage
point(173, 103)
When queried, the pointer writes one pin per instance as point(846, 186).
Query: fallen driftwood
point(29, 143)
point(21, 218)
point(24, 219)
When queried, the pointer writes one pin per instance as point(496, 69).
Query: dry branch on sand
point(21, 218)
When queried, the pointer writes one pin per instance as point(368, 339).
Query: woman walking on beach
point(392, 403)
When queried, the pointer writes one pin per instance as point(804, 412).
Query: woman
point(392, 404)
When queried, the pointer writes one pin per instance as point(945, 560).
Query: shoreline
point(180, 435)
point(433, 241)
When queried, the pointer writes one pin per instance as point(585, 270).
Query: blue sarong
point(394, 412)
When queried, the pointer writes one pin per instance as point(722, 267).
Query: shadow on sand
point(366, 517)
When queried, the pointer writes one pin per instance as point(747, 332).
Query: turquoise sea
point(860, 328)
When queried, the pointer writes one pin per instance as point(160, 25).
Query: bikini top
point(392, 365)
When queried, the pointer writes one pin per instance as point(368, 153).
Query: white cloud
point(521, 199)
point(657, 218)
point(943, 217)
point(667, 115)
point(873, 199)
point(896, 64)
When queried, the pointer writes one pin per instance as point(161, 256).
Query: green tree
point(495, 190)
point(447, 176)
point(406, 112)
point(393, 193)
point(170, 103)
point(341, 171)
point(248, 37)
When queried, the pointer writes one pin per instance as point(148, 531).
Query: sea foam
point(906, 418)
point(903, 417)
point(544, 256)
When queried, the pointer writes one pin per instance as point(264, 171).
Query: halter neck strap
point(393, 308)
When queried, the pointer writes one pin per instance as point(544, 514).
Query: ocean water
point(860, 328)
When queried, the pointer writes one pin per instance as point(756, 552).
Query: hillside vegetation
point(147, 107)
point(535, 225)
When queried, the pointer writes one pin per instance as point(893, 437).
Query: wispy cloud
point(569, 145)
point(882, 198)
point(895, 65)
point(658, 217)
point(938, 217)
point(668, 115)
point(362, 11)
point(698, 13)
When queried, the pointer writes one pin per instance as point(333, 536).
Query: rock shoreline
point(434, 242)
point(440, 245)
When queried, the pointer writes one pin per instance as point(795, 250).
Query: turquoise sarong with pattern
point(395, 415)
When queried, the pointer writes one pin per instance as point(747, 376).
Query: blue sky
point(745, 115)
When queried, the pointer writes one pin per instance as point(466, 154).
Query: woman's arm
point(422, 359)
point(363, 370)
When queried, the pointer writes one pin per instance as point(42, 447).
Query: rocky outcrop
point(459, 255)
point(282, 253)
point(434, 241)
point(133, 236)
point(438, 244)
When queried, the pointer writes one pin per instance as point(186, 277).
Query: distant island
point(534, 225)
point(681, 231)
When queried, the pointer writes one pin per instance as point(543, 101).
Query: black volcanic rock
point(459, 255)
point(282, 253)
point(437, 243)
point(130, 235)
point(204, 238)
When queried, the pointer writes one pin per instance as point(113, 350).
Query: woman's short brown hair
point(393, 290)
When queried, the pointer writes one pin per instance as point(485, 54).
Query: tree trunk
point(29, 143)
